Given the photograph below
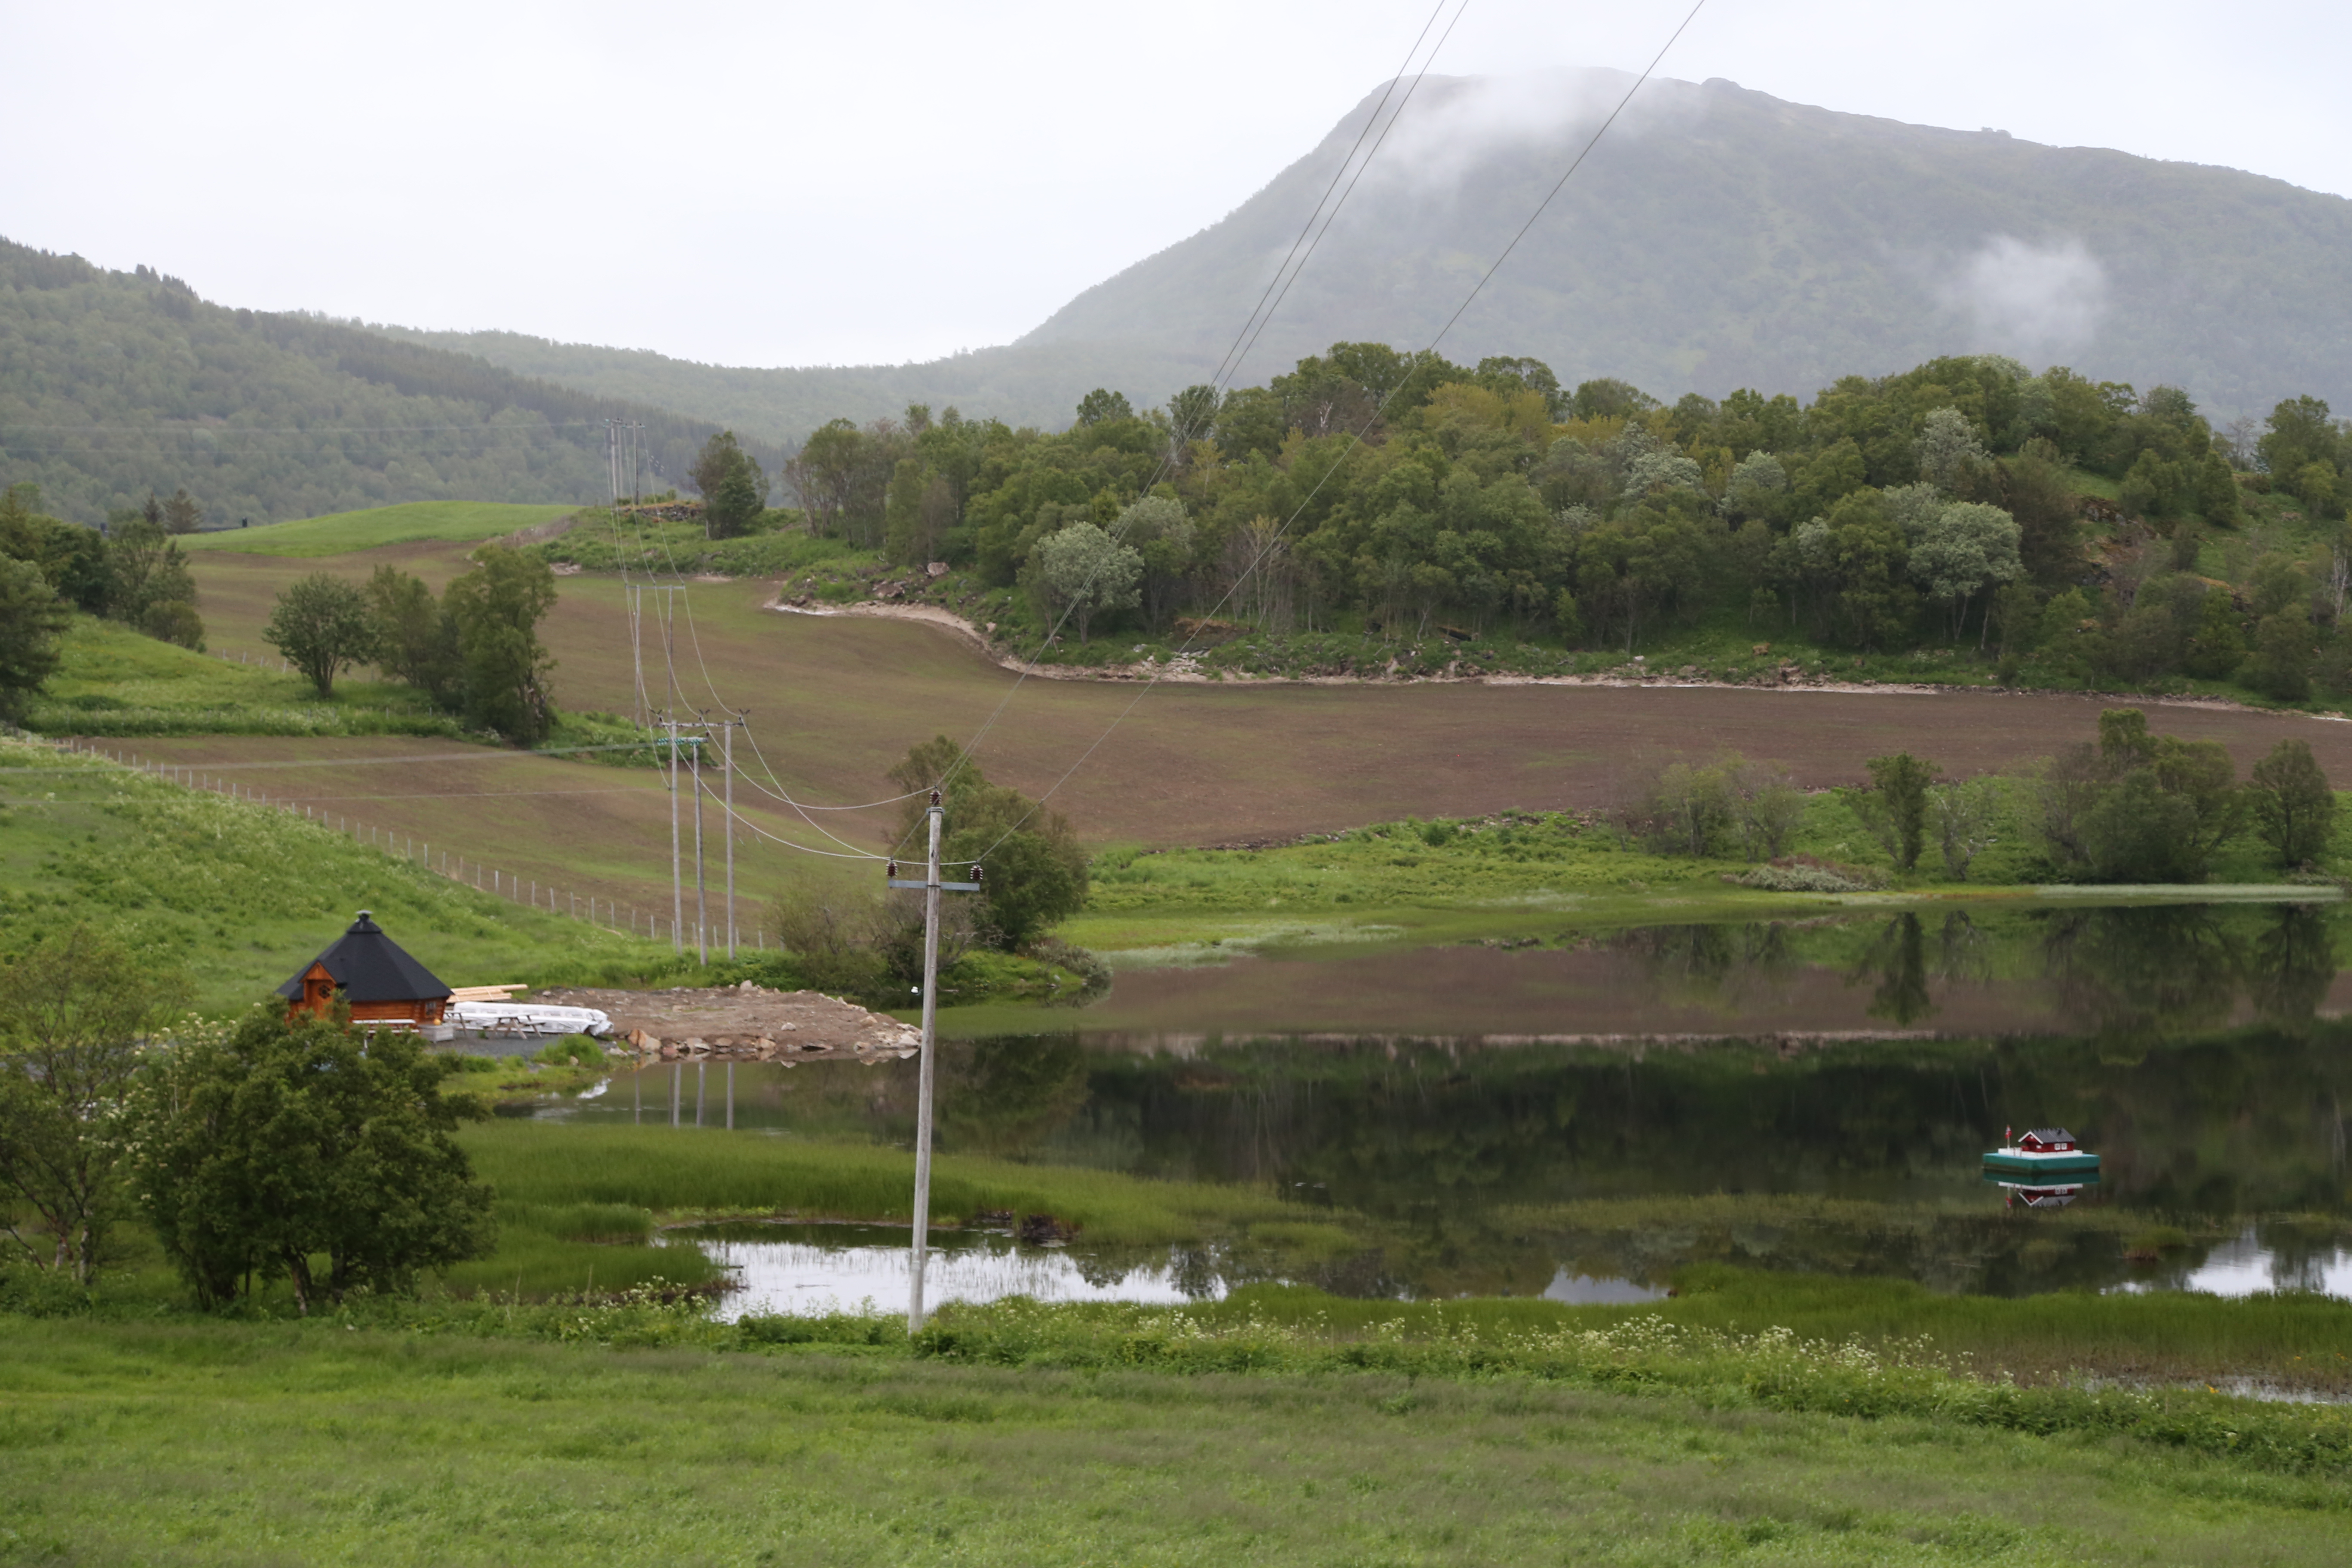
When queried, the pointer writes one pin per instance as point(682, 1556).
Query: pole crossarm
point(942, 887)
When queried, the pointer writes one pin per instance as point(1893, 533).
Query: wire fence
point(615, 915)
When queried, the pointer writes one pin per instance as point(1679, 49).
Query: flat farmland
point(836, 700)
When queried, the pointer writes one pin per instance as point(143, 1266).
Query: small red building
point(2047, 1141)
point(373, 974)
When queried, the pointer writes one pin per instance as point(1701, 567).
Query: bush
point(573, 1050)
point(263, 1146)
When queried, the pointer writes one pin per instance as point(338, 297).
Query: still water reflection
point(1805, 1095)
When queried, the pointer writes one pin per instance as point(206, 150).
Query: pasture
point(339, 533)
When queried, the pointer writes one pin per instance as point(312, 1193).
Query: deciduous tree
point(1894, 808)
point(498, 608)
point(734, 490)
point(276, 1142)
point(1084, 571)
point(320, 624)
point(76, 1015)
point(417, 640)
point(2294, 808)
point(1035, 872)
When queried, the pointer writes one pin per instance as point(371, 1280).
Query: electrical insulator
point(893, 871)
point(976, 874)
point(935, 797)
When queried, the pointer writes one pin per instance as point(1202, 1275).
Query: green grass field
point(342, 533)
point(113, 682)
point(200, 1444)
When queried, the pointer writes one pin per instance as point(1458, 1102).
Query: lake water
point(1608, 1108)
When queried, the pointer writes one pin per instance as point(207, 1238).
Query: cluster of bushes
point(473, 651)
point(2133, 806)
point(2140, 808)
point(1490, 502)
point(133, 570)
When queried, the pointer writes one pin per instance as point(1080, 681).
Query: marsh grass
point(1418, 881)
point(690, 1173)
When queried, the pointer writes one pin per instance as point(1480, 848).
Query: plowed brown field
point(836, 700)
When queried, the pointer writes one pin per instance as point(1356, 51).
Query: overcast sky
point(788, 184)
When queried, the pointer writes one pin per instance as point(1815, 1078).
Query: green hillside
point(241, 894)
point(342, 532)
point(114, 385)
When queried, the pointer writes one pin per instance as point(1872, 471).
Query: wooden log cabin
point(372, 973)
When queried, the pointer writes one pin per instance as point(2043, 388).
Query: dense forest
point(114, 386)
point(2086, 528)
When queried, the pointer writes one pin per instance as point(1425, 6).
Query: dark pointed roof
point(369, 966)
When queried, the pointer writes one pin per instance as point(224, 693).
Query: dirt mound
point(742, 1023)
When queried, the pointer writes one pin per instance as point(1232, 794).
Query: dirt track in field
point(837, 700)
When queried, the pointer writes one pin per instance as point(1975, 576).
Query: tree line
point(1392, 493)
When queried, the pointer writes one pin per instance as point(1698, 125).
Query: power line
point(1356, 437)
point(1230, 366)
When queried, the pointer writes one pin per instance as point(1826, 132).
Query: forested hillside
point(115, 384)
point(1718, 237)
point(2048, 528)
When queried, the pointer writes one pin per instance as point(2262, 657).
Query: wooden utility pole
point(931, 888)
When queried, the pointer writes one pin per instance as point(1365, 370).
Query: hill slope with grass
point(339, 533)
point(241, 895)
